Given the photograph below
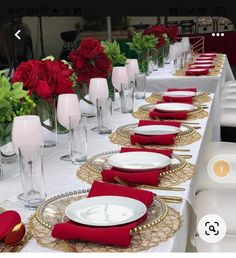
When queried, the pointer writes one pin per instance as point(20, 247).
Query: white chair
point(231, 94)
point(205, 175)
point(227, 244)
point(228, 103)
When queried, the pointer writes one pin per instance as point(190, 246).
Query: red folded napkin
point(182, 89)
point(201, 66)
point(205, 58)
point(208, 54)
point(168, 115)
point(115, 235)
point(8, 220)
point(167, 139)
point(168, 153)
point(146, 177)
point(197, 72)
point(187, 100)
point(150, 122)
point(202, 62)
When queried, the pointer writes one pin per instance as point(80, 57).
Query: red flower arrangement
point(90, 61)
point(161, 32)
point(172, 31)
point(45, 78)
point(157, 31)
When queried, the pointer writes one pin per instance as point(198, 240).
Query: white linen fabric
point(60, 176)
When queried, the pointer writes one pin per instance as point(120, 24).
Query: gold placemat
point(175, 175)
point(141, 113)
point(198, 100)
point(148, 237)
point(173, 179)
point(180, 140)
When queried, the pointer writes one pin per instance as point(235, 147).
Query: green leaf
point(112, 50)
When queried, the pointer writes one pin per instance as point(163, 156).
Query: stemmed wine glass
point(27, 131)
point(132, 68)
point(67, 105)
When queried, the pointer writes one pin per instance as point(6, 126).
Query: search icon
point(212, 228)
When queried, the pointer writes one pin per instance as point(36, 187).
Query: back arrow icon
point(16, 34)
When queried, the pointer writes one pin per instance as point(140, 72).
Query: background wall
point(53, 26)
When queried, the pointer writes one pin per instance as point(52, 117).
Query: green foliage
point(112, 50)
point(141, 43)
point(14, 101)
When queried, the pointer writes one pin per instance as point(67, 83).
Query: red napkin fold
point(205, 58)
point(116, 235)
point(208, 54)
point(193, 72)
point(146, 177)
point(168, 115)
point(8, 220)
point(187, 100)
point(201, 62)
point(153, 139)
point(200, 66)
point(182, 89)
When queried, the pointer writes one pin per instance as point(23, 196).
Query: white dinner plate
point(172, 107)
point(156, 129)
point(139, 161)
point(180, 93)
point(105, 211)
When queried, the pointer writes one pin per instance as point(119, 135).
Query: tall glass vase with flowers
point(45, 80)
point(142, 44)
point(89, 61)
point(14, 101)
point(112, 50)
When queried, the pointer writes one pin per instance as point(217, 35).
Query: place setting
point(155, 134)
point(170, 111)
point(104, 218)
point(160, 168)
point(183, 95)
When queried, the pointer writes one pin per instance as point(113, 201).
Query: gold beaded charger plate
point(187, 136)
point(202, 97)
point(161, 224)
point(178, 172)
point(143, 113)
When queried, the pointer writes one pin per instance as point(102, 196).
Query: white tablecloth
point(163, 79)
point(60, 177)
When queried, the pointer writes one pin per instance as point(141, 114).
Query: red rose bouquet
point(172, 32)
point(160, 32)
point(90, 61)
point(45, 79)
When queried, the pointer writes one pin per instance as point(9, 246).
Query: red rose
point(157, 31)
point(90, 47)
point(28, 73)
point(172, 31)
point(43, 90)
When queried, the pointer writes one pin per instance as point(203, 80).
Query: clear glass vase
point(143, 62)
point(161, 57)
point(46, 110)
point(8, 158)
point(166, 54)
point(154, 59)
point(111, 88)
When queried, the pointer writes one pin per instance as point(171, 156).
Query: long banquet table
point(60, 176)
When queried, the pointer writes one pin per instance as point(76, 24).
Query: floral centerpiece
point(112, 50)
point(143, 44)
point(14, 101)
point(89, 61)
point(161, 33)
point(45, 80)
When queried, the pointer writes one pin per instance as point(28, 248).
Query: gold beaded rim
point(180, 166)
point(40, 209)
